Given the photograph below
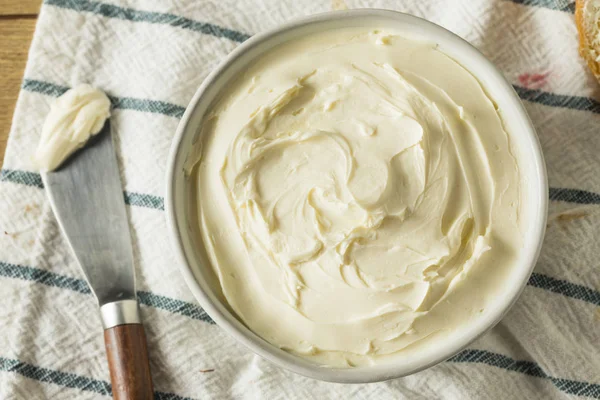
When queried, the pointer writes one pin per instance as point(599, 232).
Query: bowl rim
point(242, 333)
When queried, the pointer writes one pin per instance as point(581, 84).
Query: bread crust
point(585, 42)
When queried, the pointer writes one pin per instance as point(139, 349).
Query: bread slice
point(587, 17)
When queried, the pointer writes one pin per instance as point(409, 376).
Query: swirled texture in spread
point(357, 197)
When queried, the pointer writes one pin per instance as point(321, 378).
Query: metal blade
point(87, 199)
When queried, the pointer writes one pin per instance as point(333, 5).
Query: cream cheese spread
point(75, 116)
point(357, 197)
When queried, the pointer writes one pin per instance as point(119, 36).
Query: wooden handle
point(127, 355)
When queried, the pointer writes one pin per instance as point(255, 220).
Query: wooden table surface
point(17, 23)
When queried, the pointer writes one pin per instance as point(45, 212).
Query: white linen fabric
point(150, 56)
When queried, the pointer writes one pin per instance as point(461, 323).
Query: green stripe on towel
point(21, 177)
point(574, 196)
point(34, 179)
point(149, 299)
point(565, 288)
point(144, 200)
point(558, 100)
point(57, 377)
point(67, 379)
point(530, 368)
point(558, 5)
point(118, 103)
point(130, 14)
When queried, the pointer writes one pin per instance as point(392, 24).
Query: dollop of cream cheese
point(357, 197)
point(73, 118)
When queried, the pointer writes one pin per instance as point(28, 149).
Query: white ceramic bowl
point(181, 209)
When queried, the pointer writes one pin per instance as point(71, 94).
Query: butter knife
point(87, 199)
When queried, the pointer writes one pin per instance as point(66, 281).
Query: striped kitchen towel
point(150, 56)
